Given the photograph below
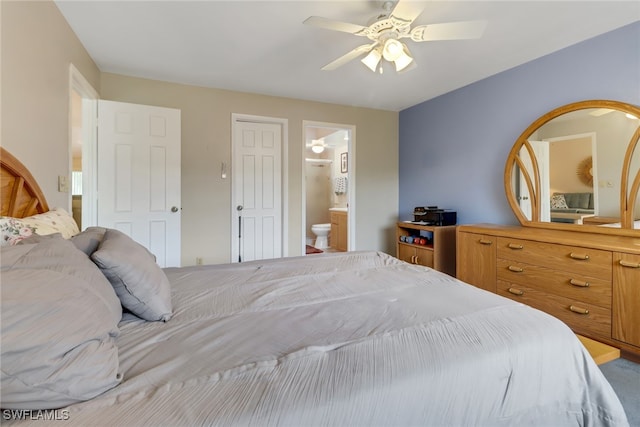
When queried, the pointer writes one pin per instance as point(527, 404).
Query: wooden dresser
point(589, 281)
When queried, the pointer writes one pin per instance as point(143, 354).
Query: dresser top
point(628, 244)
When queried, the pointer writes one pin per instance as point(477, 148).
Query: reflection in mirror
point(568, 167)
point(522, 183)
point(599, 134)
point(630, 193)
point(531, 180)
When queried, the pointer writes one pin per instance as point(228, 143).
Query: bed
point(357, 338)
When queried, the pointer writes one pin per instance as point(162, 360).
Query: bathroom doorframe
point(351, 181)
point(79, 84)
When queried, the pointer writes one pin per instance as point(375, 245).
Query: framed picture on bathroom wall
point(343, 163)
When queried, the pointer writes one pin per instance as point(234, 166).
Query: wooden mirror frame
point(628, 192)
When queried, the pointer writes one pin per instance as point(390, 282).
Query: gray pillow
point(139, 282)
point(89, 239)
point(59, 321)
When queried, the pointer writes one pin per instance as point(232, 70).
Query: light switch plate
point(63, 183)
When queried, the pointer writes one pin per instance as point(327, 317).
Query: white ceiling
point(263, 47)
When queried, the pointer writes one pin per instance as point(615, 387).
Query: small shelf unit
point(440, 251)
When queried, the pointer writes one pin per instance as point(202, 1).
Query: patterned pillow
point(558, 202)
point(13, 230)
point(56, 220)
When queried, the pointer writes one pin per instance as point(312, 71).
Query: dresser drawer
point(571, 285)
point(574, 259)
point(579, 315)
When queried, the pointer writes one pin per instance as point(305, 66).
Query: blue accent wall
point(453, 148)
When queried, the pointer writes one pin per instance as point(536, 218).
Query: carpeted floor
point(624, 377)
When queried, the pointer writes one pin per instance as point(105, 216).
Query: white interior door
point(139, 175)
point(524, 196)
point(257, 191)
point(541, 151)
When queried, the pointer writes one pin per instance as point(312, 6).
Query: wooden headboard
point(21, 194)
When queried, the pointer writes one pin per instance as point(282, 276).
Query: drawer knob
point(515, 269)
point(516, 291)
point(580, 283)
point(515, 246)
point(629, 264)
point(578, 310)
point(485, 242)
point(579, 257)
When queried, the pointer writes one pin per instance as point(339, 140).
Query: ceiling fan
point(389, 28)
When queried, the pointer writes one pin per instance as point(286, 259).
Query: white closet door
point(139, 175)
point(257, 171)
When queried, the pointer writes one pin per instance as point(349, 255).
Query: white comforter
point(345, 340)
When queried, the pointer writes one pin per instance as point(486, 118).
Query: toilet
point(322, 232)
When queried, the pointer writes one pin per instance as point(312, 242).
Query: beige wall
point(37, 48)
point(206, 143)
point(564, 158)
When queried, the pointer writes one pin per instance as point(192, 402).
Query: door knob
point(174, 209)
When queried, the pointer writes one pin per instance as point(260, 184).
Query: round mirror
point(578, 167)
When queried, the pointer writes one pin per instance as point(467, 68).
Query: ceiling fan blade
point(330, 24)
point(448, 31)
point(360, 50)
point(405, 13)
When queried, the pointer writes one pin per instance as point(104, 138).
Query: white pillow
point(59, 321)
point(139, 282)
point(56, 220)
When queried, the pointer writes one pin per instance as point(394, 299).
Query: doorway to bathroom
point(328, 187)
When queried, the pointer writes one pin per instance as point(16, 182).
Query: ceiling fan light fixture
point(387, 30)
point(403, 60)
point(392, 50)
point(372, 59)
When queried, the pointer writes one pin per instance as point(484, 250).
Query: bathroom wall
point(318, 189)
point(321, 171)
point(339, 200)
